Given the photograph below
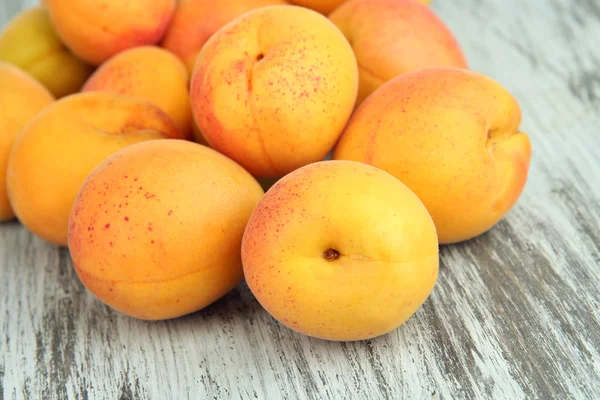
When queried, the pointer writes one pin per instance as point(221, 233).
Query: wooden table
point(515, 313)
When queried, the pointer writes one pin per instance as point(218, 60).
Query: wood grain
point(515, 313)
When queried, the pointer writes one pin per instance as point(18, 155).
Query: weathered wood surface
point(515, 313)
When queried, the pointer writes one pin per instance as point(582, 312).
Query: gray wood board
point(515, 313)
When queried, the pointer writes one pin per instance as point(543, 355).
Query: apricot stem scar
point(331, 254)
point(260, 57)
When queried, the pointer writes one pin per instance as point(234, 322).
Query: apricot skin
point(30, 42)
point(22, 98)
point(156, 229)
point(392, 37)
point(340, 250)
point(96, 30)
point(328, 6)
point(453, 137)
point(322, 6)
point(150, 73)
point(54, 154)
point(195, 21)
point(274, 89)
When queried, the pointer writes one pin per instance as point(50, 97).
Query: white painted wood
point(515, 313)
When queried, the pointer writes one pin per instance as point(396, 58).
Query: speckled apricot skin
point(328, 6)
point(195, 21)
point(30, 42)
point(150, 73)
point(156, 229)
point(96, 30)
point(453, 137)
point(392, 37)
point(53, 155)
point(386, 240)
point(21, 99)
point(274, 89)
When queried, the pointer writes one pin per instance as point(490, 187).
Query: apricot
point(327, 6)
point(151, 73)
point(274, 89)
point(96, 30)
point(197, 135)
point(22, 98)
point(54, 154)
point(452, 136)
point(30, 42)
point(392, 37)
point(195, 21)
point(340, 250)
point(322, 6)
point(156, 229)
